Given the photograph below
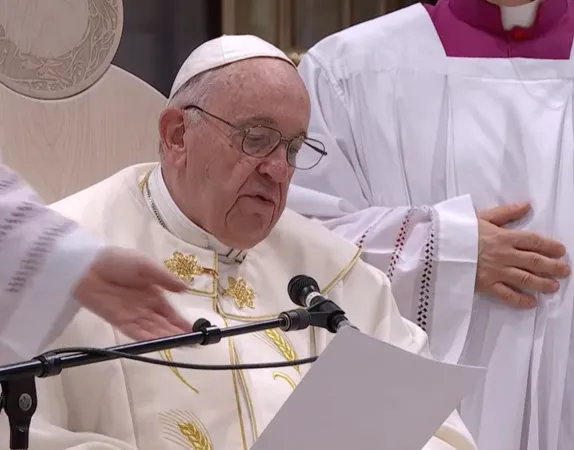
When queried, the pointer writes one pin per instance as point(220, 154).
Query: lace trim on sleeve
point(427, 274)
point(425, 279)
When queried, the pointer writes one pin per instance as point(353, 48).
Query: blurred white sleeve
point(43, 255)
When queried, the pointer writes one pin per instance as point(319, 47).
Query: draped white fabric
point(405, 125)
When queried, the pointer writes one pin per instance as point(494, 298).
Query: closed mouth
point(262, 197)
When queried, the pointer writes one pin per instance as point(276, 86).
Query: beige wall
point(299, 24)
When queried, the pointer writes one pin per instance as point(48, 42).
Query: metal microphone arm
point(19, 400)
point(304, 291)
point(327, 314)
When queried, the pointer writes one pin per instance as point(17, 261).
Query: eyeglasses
point(260, 141)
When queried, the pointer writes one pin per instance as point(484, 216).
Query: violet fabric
point(473, 28)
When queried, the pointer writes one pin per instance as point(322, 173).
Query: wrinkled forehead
point(264, 87)
point(258, 76)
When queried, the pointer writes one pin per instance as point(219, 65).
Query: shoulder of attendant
point(371, 46)
point(88, 205)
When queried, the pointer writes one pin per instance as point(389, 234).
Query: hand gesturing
point(126, 290)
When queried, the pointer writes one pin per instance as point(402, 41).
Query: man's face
point(237, 197)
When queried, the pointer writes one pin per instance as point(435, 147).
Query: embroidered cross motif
point(184, 266)
point(238, 290)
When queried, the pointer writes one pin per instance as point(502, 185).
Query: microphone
point(304, 291)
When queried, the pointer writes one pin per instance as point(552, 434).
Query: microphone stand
point(19, 400)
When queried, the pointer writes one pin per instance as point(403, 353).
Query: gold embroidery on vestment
point(186, 267)
point(285, 377)
point(233, 359)
point(324, 291)
point(245, 386)
point(342, 273)
point(186, 430)
point(143, 183)
point(166, 355)
point(238, 290)
point(282, 344)
point(235, 377)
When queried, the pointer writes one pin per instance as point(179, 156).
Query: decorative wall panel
point(299, 24)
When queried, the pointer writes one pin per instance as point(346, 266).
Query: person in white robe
point(214, 211)
point(50, 267)
point(466, 105)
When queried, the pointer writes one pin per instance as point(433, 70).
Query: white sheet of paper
point(363, 393)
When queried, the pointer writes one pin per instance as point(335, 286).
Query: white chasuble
point(407, 125)
point(129, 405)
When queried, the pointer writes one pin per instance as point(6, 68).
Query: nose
point(275, 165)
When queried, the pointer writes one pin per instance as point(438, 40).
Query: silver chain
point(153, 207)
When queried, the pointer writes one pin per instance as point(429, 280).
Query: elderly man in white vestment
point(213, 210)
point(423, 107)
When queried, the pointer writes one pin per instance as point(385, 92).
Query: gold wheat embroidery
point(184, 429)
point(166, 355)
point(195, 437)
point(285, 377)
point(283, 345)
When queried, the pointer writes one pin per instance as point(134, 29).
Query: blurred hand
point(511, 261)
point(126, 290)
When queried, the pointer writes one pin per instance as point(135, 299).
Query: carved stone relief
point(57, 49)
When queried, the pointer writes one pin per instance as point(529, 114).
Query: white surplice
point(127, 405)
point(42, 257)
point(405, 125)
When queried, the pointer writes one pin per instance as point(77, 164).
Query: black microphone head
point(299, 287)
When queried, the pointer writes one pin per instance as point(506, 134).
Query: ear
point(171, 132)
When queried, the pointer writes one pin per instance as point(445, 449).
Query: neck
point(176, 222)
point(166, 180)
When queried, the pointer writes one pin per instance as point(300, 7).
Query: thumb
point(501, 215)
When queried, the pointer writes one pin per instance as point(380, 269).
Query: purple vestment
point(473, 28)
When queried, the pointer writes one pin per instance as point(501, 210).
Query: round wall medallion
point(57, 49)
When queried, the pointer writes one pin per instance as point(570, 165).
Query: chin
point(250, 229)
point(250, 237)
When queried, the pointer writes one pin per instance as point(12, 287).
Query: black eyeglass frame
point(314, 144)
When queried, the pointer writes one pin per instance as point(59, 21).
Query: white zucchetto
point(221, 51)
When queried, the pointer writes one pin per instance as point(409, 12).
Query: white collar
point(171, 218)
point(519, 16)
